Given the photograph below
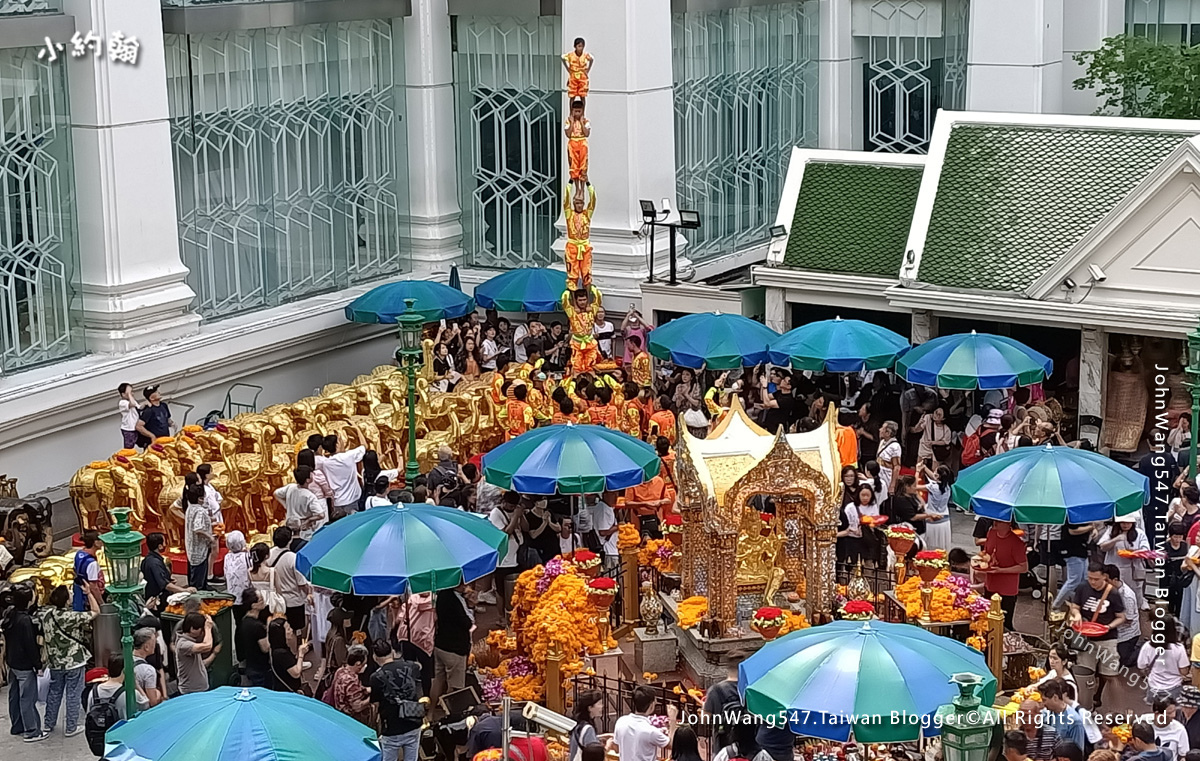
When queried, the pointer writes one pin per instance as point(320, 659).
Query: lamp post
point(966, 725)
point(409, 357)
point(1193, 376)
point(123, 548)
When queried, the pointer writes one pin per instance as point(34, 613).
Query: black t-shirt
point(781, 415)
point(249, 631)
point(1173, 568)
point(156, 418)
point(719, 696)
point(386, 690)
point(903, 510)
point(1087, 599)
point(487, 733)
point(545, 543)
point(1074, 545)
point(157, 576)
point(982, 527)
point(283, 659)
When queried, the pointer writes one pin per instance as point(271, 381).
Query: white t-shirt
point(129, 414)
point(891, 453)
point(1165, 669)
point(499, 519)
point(289, 582)
point(489, 349)
point(567, 545)
point(603, 518)
point(1172, 738)
point(520, 354)
point(341, 470)
point(212, 501)
point(604, 329)
point(638, 739)
point(377, 502)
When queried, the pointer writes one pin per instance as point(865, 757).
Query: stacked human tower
point(580, 299)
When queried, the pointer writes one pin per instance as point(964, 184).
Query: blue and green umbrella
point(836, 679)
point(838, 346)
point(1050, 485)
point(434, 302)
point(713, 341)
point(529, 289)
point(238, 724)
point(570, 459)
point(966, 361)
point(402, 548)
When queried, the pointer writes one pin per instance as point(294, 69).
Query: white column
point(777, 310)
point(1092, 355)
point(435, 217)
point(1015, 56)
point(132, 280)
point(1085, 25)
point(632, 145)
point(840, 82)
point(924, 326)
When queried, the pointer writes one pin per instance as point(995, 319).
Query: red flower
point(583, 556)
point(766, 517)
point(930, 555)
point(858, 606)
point(603, 584)
point(674, 520)
point(768, 613)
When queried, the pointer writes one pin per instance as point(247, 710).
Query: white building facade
point(201, 217)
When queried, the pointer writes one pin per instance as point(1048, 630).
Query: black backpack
point(100, 718)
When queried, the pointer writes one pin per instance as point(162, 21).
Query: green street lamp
point(409, 357)
point(1193, 376)
point(123, 548)
point(966, 725)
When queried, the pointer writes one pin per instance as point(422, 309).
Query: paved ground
point(1120, 697)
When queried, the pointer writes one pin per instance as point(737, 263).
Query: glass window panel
point(290, 164)
point(39, 255)
point(745, 94)
point(508, 89)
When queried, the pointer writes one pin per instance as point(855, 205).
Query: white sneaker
point(37, 738)
point(488, 597)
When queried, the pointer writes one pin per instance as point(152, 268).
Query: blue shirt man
point(1062, 717)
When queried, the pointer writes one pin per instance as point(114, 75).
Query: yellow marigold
point(627, 537)
point(649, 676)
point(976, 642)
point(793, 622)
point(692, 610)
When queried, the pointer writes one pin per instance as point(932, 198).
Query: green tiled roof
point(1013, 199)
point(853, 218)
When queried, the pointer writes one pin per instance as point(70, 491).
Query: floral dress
point(348, 690)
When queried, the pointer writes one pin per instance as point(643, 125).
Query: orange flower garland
point(657, 554)
point(793, 622)
point(627, 537)
point(691, 611)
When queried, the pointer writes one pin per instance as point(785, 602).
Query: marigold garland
point(793, 622)
point(952, 599)
point(627, 537)
point(657, 554)
point(691, 611)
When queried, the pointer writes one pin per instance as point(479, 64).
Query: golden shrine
point(254, 453)
point(729, 547)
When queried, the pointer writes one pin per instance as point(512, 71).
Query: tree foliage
point(1137, 76)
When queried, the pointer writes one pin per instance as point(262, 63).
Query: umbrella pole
point(505, 726)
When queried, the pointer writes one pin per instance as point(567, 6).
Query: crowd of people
point(383, 661)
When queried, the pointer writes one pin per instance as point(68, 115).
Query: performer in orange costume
point(578, 131)
point(604, 413)
point(579, 67)
point(565, 412)
point(538, 399)
point(520, 414)
point(580, 307)
point(629, 414)
point(578, 252)
point(639, 370)
point(662, 423)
